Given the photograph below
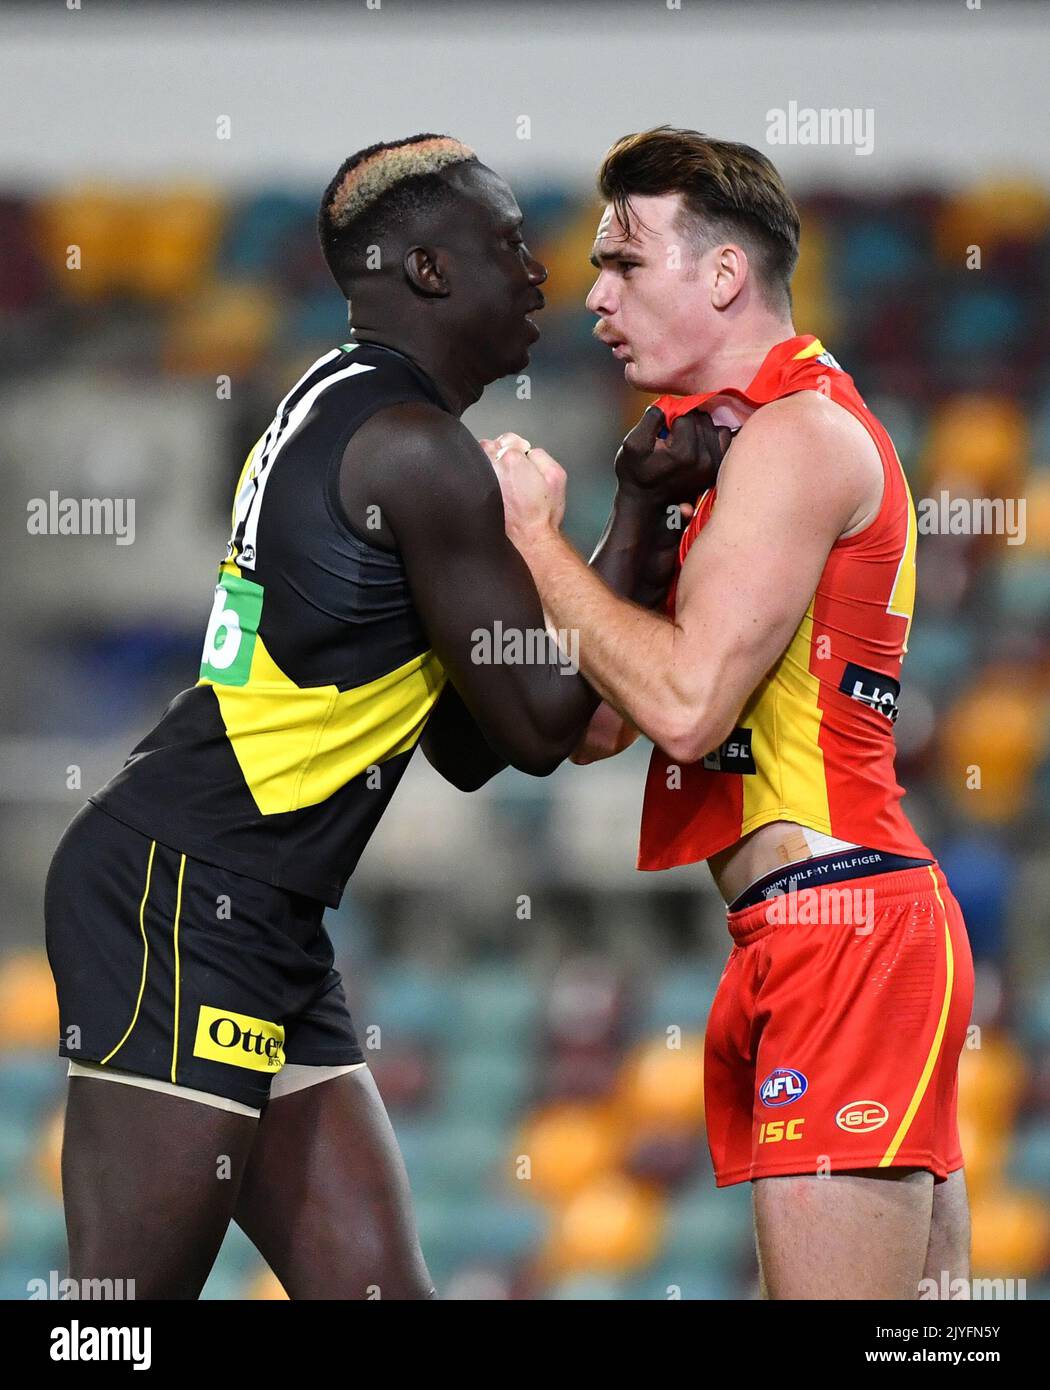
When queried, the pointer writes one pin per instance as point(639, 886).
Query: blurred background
point(533, 1007)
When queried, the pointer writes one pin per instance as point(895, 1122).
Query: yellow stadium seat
point(985, 1153)
point(977, 446)
point(49, 1153)
point(87, 236)
point(992, 741)
point(662, 1088)
point(1011, 1234)
point(1036, 493)
point(569, 1145)
point(815, 308)
point(567, 258)
point(993, 211)
point(28, 1007)
point(178, 238)
point(223, 330)
point(612, 1226)
point(991, 1081)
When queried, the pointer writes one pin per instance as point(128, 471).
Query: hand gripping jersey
point(814, 743)
point(316, 677)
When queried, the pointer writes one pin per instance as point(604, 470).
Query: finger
point(510, 456)
point(490, 447)
point(712, 449)
point(685, 443)
point(645, 433)
point(540, 459)
point(514, 441)
point(549, 469)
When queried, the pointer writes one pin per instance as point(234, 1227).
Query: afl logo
point(782, 1086)
point(861, 1116)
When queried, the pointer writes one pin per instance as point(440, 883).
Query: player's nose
point(537, 271)
point(600, 300)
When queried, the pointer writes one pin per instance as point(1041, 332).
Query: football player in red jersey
point(769, 687)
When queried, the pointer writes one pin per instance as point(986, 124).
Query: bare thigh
point(948, 1253)
point(149, 1183)
point(862, 1235)
point(325, 1197)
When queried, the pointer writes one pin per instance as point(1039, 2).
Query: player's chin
point(635, 376)
point(521, 360)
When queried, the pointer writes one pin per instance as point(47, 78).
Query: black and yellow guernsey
point(316, 678)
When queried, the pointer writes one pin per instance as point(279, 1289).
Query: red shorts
point(834, 1037)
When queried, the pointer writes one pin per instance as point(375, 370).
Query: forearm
point(627, 654)
point(635, 553)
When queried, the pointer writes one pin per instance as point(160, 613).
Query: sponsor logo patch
point(239, 1040)
point(871, 688)
point(782, 1086)
point(862, 1116)
point(232, 630)
point(734, 755)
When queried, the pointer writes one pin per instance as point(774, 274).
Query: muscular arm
point(800, 473)
point(440, 504)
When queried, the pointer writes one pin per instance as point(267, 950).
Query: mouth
point(533, 328)
point(618, 346)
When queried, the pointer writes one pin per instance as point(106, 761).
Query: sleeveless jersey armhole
point(888, 491)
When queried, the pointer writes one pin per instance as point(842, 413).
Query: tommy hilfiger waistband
point(824, 868)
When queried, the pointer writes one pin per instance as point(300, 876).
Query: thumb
point(644, 435)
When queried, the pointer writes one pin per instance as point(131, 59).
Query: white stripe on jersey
point(246, 495)
point(247, 556)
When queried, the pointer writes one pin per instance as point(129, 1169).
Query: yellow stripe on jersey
point(784, 715)
point(298, 745)
point(240, 482)
point(902, 597)
point(815, 348)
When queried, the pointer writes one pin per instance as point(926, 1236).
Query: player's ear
point(425, 272)
point(731, 270)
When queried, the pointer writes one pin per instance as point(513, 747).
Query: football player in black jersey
point(368, 549)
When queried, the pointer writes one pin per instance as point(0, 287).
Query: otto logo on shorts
point(860, 1116)
point(239, 1040)
point(782, 1086)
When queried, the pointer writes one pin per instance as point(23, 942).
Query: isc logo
point(734, 755)
point(782, 1086)
point(860, 1116)
point(773, 1131)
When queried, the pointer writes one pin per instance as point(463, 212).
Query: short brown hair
point(727, 189)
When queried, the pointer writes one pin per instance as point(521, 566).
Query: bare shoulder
point(421, 467)
point(412, 430)
point(810, 443)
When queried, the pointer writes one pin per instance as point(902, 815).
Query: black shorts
point(185, 972)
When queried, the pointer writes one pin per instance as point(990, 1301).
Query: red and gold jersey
point(814, 743)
